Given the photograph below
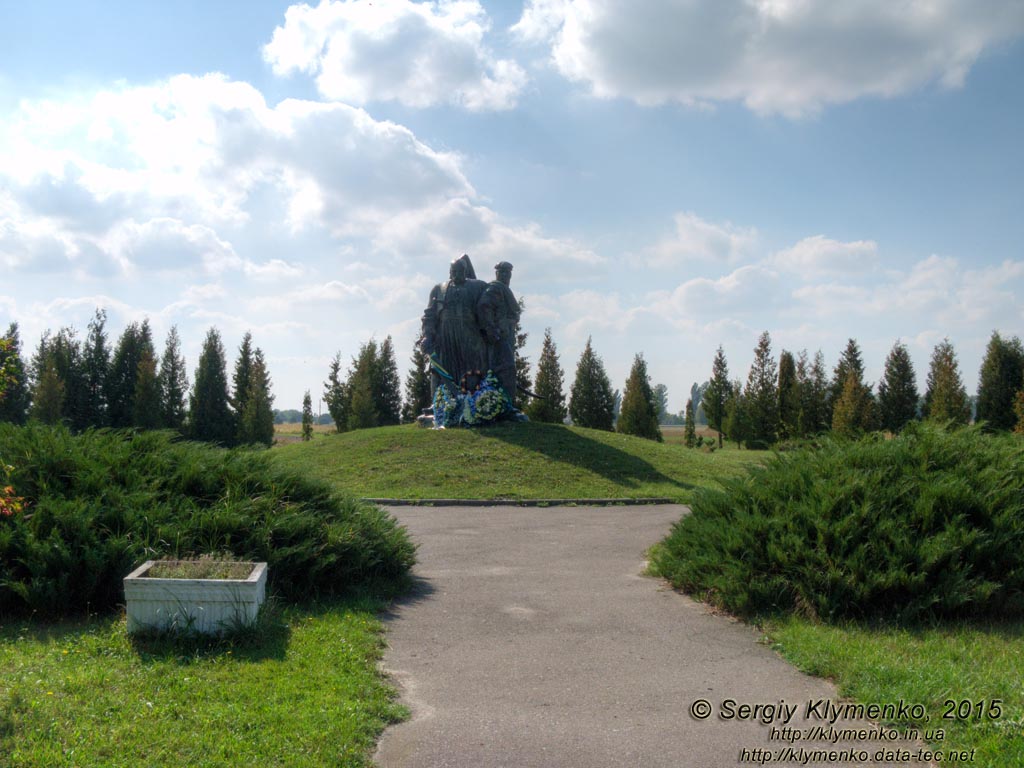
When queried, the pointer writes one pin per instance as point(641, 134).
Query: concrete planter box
point(208, 606)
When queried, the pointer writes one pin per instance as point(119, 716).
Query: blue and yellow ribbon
point(435, 364)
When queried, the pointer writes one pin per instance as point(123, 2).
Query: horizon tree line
point(92, 383)
point(794, 398)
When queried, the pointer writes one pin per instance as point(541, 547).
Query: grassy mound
point(100, 503)
point(509, 461)
point(929, 525)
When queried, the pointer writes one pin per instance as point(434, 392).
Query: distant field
point(676, 435)
point(510, 461)
point(292, 433)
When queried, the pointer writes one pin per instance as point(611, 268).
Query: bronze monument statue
point(468, 333)
point(500, 312)
point(452, 328)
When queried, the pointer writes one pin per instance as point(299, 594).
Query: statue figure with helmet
point(468, 333)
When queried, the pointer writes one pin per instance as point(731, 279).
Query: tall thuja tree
point(522, 361)
point(1000, 378)
point(15, 402)
point(591, 400)
point(848, 411)
point(64, 352)
point(47, 392)
point(735, 423)
point(788, 396)
point(361, 408)
point(690, 425)
point(697, 395)
point(67, 356)
point(417, 386)
point(859, 404)
point(147, 401)
point(815, 413)
point(717, 394)
point(240, 382)
point(946, 398)
point(209, 413)
point(387, 386)
point(6, 366)
point(897, 391)
point(850, 361)
point(336, 394)
point(803, 375)
point(95, 370)
point(549, 405)
point(362, 413)
point(661, 402)
point(124, 370)
point(760, 397)
point(307, 417)
point(637, 415)
point(173, 380)
point(256, 420)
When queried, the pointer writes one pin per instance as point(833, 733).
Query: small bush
point(97, 505)
point(928, 525)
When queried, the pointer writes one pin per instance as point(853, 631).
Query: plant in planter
point(206, 595)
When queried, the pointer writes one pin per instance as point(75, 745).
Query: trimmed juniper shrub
point(98, 504)
point(922, 527)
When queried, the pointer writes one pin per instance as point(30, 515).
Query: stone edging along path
point(517, 502)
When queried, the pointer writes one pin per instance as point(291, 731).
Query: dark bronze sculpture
point(469, 331)
point(500, 312)
point(452, 329)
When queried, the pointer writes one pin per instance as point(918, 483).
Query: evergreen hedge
point(98, 504)
point(922, 527)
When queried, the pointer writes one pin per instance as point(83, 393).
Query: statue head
point(457, 271)
point(503, 272)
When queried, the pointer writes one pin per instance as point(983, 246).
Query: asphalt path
point(533, 640)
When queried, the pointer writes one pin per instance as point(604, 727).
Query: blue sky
point(665, 176)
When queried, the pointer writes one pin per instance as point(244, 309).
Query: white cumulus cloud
point(775, 56)
point(167, 176)
point(822, 255)
point(419, 54)
point(695, 239)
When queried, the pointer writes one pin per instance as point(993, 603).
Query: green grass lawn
point(509, 461)
point(306, 693)
point(940, 668)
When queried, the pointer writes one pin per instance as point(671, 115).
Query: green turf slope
point(509, 461)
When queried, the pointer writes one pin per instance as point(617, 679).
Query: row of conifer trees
point(795, 397)
point(369, 394)
point(93, 383)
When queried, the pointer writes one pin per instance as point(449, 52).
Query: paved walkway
point(534, 641)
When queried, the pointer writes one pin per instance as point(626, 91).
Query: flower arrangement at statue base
point(486, 403)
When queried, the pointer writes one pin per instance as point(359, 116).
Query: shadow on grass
point(563, 445)
point(269, 637)
point(266, 639)
point(59, 630)
point(1008, 629)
